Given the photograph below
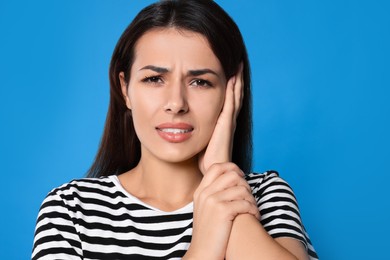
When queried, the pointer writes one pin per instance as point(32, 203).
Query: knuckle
point(210, 201)
point(220, 209)
point(232, 165)
point(236, 178)
point(247, 204)
point(215, 166)
point(243, 190)
point(202, 196)
point(196, 194)
point(245, 184)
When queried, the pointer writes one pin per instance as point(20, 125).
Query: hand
point(223, 193)
point(221, 196)
point(220, 147)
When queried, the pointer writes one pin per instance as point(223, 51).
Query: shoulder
point(68, 210)
point(278, 208)
point(258, 178)
point(84, 184)
point(79, 190)
point(273, 195)
point(266, 182)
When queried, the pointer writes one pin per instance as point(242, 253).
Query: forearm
point(249, 240)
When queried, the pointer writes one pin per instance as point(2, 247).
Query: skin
point(176, 85)
point(172, 96)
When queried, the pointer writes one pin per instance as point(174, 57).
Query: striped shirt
point(95, 218)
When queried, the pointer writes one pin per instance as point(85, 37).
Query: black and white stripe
point(279, 208)
point(98, 219)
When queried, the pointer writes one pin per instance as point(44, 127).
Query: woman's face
point(176, 92)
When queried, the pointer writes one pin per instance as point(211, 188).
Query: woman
point(168, 180)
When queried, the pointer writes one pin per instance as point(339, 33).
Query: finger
point(238, 207)
point(216, 170)
point(228, 106)
point(226, 181)
point(238, 90)
point(234, 193)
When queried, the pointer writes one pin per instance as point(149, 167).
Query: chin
point(174, 153)
point(179, 158)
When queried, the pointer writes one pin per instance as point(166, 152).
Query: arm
point(55, 234)
point(222, 195)
point(280, 217)
point(249, 240)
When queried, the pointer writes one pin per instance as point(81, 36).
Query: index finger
point(217, 169)
point(238, 90)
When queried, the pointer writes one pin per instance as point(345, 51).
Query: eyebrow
point(198, 72)
point(155, 68)
point(201, 72)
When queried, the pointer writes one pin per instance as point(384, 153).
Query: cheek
point(143, 107)
point(210, 111)
point(214, 113)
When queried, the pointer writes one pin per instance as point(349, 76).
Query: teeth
point(175, 130)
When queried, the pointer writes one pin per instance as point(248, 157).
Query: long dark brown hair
point(120, 149)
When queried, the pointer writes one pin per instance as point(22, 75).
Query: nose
point(176, 99)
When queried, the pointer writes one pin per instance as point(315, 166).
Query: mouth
point(175, 132)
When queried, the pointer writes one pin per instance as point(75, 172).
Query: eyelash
point(152, 79)
point(201, 83)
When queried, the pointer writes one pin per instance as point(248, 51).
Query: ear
point(124, 89)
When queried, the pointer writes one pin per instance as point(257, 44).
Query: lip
point(175, 132)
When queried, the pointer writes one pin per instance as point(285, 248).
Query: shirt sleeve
point(55, 233)
point(278, 208)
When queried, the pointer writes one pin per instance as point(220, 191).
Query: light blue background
point(321, 89)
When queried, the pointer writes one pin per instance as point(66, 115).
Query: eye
point(201, 83)
point(153, 80)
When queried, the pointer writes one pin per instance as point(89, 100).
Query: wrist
point(193, 254)
point(190, 255)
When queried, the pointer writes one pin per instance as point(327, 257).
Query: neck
point(164, 185)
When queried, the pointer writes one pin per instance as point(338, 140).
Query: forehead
point(170, 34)
point(173, 45)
